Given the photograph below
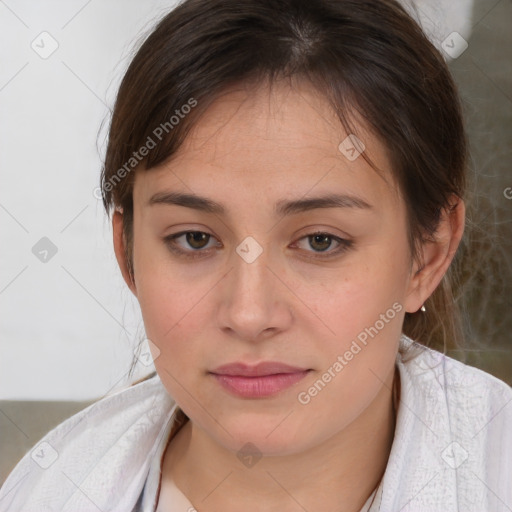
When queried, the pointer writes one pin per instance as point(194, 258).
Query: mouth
point(259, 381)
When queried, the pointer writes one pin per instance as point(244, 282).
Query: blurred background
point(69, 325)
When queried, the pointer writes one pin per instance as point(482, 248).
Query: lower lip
point(259, 387)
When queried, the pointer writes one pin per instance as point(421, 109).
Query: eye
point(321, 242)
point(196, 240)
point(197, 244)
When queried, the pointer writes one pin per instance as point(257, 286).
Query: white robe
point(452, 449)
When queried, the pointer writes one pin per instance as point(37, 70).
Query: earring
point(423, 309)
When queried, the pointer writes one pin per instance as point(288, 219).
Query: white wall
point(69, 325)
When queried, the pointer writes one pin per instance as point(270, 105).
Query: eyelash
point(344, 245)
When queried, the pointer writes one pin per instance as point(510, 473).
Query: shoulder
point(471, 395)
point(461, 404)
point(455, 379)
point(453, 439)
point(100, 454)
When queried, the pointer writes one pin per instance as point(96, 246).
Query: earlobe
point(120, 249)
point(436, 256)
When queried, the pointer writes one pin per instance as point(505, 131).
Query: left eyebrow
point(282, 207)
point(327, 201)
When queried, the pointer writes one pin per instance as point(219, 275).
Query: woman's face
point(253, 285)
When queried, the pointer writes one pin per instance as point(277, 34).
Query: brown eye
point(194, 244)
point(320, 245)
point(197, 239)
point(320, 242)
point(190, 244)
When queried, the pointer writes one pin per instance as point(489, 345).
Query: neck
point(339, 475)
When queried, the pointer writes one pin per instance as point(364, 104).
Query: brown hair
point(364, 56)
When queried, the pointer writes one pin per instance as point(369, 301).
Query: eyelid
point(343, 245)
point(169, 241)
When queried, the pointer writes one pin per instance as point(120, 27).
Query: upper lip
point(258, 370)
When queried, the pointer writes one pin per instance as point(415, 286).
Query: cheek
point(173, 310)
point(364, 313)
point(165, 297)
point(364, 319)
point(358, 295)
point(164, 291)
point(175, 321)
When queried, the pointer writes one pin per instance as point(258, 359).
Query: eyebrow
point(283, 207)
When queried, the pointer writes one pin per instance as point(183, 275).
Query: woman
point(288, 181)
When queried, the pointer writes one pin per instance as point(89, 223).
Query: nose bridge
point(251, 277)
point(252, 302)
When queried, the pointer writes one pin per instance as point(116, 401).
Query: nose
point(254, 303)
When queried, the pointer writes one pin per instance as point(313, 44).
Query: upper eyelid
point(179, 234)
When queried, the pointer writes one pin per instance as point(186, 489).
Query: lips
point(259, 370)
point(258, 381)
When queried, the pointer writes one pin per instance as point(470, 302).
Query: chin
point(262, 437)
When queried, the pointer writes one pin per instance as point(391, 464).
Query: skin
point(253, 148)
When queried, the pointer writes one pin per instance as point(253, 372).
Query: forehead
point(281, 141)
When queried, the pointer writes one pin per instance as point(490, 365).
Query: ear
point(436, 255)
point(120, 249)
